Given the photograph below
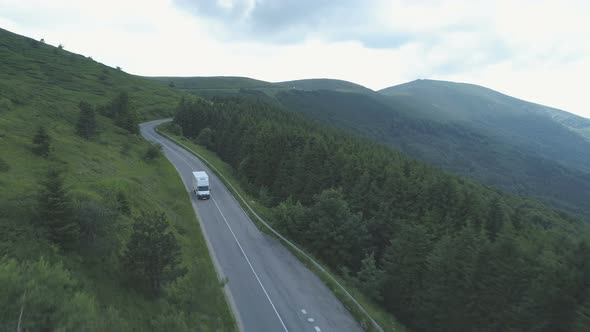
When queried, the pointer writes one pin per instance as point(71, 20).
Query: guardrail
point(273, 231)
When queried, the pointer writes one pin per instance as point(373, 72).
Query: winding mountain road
point(268, 288)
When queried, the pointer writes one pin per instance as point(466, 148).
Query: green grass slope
point(42, 85)
point(212, 83)
point(325, 84)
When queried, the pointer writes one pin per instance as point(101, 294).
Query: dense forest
point(440, 252)
point(516, 146)
point(517, 150)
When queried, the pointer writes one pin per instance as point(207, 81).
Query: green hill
point(517, 146)
point(325, 84)
point(513, 148)
point(82, 282)
point(548, 132)
point(212, 83)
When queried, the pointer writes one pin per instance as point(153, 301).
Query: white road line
point(251, 267)
point(233, 234)
point(317, 329)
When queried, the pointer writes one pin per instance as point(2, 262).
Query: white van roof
point(200, 174)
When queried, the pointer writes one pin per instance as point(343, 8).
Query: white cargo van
point(201, 185)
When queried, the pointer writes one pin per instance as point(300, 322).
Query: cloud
point(529, 49)
point(292, 21)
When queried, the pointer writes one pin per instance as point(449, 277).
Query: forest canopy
point(440, 252)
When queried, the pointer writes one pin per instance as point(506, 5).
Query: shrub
point(205, 138)
point(5, 105)
point(4, 167)
point(153, 152)
point(42, 143)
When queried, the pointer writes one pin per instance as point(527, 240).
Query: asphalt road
point(268, 288)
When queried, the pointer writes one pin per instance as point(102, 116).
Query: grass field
point(42, 85)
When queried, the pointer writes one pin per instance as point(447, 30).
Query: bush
point(175, 129)
point(42, 143)
point(205, 138)
point(86, 126)
point(4, 167)
point(5, 105)
point(153, 152)
point(99, 229)
point(48, 296)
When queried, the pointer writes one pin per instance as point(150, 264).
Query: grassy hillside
point(41, 85)
point(325, 84)
point(212, 83)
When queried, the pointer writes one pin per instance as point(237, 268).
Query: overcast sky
point(534, 50)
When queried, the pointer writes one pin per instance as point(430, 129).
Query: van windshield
point(202, 188)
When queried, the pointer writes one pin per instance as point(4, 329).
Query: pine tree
point(55, 211)
point(404, 263)
point(335, 232)
point(122, 113)
point(205, 138)
point(42, 143)
point(370, 278)
point(86, 126)
point(496, 218)
point(123, 205)
point(153, 252)
point(449, 293)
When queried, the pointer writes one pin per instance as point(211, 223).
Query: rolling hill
point(108, 182)
point(325, 84)
point(543, 130)
point(511, 144)
point(521, 147)
point(213, 82)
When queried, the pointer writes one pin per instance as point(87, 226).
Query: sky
point(534, 50)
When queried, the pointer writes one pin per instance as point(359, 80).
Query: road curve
point(268, 288)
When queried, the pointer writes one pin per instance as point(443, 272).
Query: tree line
point(440, 252)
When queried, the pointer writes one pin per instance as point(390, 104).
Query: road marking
point(233, 234)
point(311, 320)
point(251, 267)
point(303, 311)
point(317, 329)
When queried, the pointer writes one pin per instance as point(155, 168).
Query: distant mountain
point(212, 82)
point(325, 84)
point(234, 82)
point(514, 145)
point(502, 141)
point(549, 132)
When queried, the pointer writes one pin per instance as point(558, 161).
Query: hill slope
point(109, 182)
point(543, 130)
point(325, 84)
point(435, 249)
point(212, 83)
point(521, 147)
